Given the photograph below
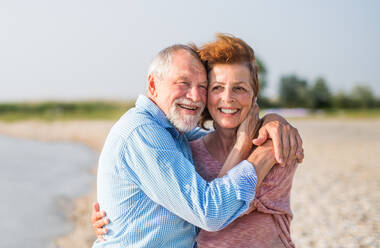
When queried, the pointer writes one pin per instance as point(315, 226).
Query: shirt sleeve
point(170, 180)
point(196, 133)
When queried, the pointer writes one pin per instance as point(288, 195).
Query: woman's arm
point(244, 136)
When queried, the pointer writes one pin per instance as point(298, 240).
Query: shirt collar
point(158, 115)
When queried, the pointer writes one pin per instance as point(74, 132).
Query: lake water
point(38, 181)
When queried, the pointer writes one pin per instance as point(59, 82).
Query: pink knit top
point(266, 227)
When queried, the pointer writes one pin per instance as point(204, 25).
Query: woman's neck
point(220, 142)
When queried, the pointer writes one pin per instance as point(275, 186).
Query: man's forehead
point(185, 57)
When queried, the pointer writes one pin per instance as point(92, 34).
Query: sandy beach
point(335, 195)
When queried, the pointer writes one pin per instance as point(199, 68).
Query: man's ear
point(152, 86)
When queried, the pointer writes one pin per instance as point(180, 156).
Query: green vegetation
point(353, 113)
point(50, 111)
point(297, 93)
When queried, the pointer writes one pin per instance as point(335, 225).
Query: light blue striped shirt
point(150, 190)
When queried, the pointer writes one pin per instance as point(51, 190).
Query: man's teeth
point(187, 107)
point(229, 111)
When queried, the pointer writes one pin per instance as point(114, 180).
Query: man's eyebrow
point(183, 78)
point(234, 83)
point(186, 79)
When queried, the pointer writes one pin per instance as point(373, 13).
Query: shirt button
point(187, 187)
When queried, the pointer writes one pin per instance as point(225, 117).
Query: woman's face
point(230, 94)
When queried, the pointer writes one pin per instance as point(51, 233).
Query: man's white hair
point(161, 64)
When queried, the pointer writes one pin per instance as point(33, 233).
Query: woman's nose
point(227, 95)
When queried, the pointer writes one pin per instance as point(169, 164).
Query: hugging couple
point(166, 180)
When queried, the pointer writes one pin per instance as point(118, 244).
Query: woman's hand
point(248, 128)
point(99, 221)
point(263, 159)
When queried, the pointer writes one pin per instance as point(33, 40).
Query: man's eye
point(183, 83)
point(240, 88)
point(215, 87)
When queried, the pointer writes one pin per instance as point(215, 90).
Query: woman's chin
point(228, 125)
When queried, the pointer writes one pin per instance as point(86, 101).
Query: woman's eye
point(215, 87)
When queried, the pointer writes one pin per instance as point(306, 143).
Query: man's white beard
point(184, 123)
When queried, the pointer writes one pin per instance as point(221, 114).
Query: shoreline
point(334, 194)
point(89, 133)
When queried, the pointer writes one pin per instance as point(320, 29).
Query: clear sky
point(92, 49)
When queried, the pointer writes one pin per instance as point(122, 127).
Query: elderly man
point(147, 183)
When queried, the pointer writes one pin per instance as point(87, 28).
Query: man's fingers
point(300, 153)
point(263, 136)
point(277, 146)
point(285, 145)
point(293, 148)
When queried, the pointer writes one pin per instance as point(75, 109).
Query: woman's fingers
point(101, 222)
point(100, 238)
point(95, 211)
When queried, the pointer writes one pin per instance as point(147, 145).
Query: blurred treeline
point(64, 110)
point(295, 92)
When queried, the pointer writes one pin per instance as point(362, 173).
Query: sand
point(335, 196)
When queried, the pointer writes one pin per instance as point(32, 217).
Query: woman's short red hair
point(228, 49)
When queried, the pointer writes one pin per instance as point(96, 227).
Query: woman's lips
point(228, 110)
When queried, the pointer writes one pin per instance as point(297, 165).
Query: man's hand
point(99, 221)
point(286, 139)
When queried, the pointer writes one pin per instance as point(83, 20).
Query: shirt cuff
point(244, 178)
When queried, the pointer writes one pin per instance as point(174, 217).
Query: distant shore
point(335, 191)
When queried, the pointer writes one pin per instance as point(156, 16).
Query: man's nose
point(195, 94)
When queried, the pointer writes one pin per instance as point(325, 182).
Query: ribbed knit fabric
point(268, 226)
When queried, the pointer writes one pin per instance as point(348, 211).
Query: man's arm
point(244, 136)
point(170, 180)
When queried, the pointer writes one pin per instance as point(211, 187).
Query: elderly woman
point(232, 90)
